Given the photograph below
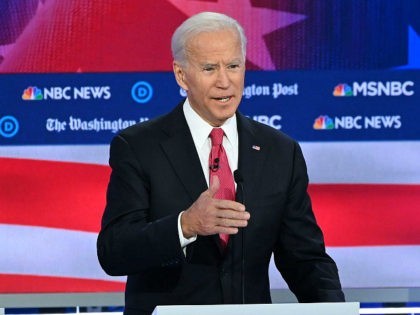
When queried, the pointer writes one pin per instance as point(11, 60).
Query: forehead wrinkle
point(195, 52)
point(211, 63)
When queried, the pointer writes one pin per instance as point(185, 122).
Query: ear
point(180, 75)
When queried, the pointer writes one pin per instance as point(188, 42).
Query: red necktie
point(219, 166)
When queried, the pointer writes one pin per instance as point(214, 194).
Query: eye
point(208, 68)
point(234, 66)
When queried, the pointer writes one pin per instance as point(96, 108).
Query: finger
point(234, 215)
point(229, 205)
point(226, 230)
point(214, 185)
point(231, 222)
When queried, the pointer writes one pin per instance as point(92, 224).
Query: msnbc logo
point(32, 93)
point(375, 88)
point(343, 89)
point(323, 122)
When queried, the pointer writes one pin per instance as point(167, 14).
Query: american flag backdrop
point(364, 183)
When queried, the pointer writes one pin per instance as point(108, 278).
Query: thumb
point(214, 185)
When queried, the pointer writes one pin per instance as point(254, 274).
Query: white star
point(413, 61)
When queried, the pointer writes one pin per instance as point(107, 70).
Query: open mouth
point(223, 99)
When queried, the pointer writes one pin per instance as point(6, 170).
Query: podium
point(344, 308)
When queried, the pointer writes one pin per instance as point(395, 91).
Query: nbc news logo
point(32, 93)
point(325, 122)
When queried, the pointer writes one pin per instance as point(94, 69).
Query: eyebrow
point(209, 64)
point(237, 60)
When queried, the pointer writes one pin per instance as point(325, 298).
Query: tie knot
point(216, 136)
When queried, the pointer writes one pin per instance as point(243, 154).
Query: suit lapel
point(181, 153)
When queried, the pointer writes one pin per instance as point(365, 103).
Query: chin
point(226, 116)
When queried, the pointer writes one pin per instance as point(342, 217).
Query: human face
point(213, 75)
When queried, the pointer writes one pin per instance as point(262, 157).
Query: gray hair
point(199, 23)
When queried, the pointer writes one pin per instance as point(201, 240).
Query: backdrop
point(342, 77)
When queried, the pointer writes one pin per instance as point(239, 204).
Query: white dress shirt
point(200, 131)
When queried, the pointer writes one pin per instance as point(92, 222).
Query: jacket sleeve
point(131, 240)
point(300, 251)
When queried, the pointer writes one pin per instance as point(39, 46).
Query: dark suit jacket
point(156, 173)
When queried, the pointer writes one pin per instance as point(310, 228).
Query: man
point(167, 224)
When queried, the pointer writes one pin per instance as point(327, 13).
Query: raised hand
point(208, 215)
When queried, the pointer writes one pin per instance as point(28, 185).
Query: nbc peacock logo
point(32, 93)
point(343, 89)
point(323, 122)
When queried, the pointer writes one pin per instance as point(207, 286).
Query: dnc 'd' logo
point(142, 92)
point(9, 126)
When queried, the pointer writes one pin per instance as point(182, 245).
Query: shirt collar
point(200, 129)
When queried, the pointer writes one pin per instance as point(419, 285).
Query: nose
point(223, 80)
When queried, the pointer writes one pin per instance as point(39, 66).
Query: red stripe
point(72, 196)
point(52, 194)
point(363, 215)
point(43, 284)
